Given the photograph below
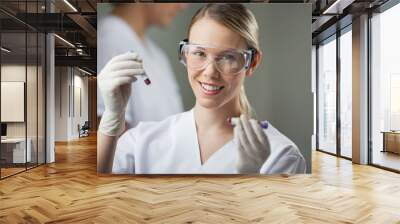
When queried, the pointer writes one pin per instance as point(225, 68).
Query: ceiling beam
point(82, 61)
point(86, 27)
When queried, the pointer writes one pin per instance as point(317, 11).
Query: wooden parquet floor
point(70, 191)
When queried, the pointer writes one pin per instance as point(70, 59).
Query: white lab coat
point(147, 103)
point(171, 147)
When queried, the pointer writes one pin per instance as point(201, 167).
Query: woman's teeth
point(210, 87)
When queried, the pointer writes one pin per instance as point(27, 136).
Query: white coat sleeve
point(287, 160)
point(124, 159)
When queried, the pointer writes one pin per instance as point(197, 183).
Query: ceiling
point(74, 21)
point(330, 15)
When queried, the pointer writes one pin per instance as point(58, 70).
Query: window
point(327, 96)
point(385, 87)
point(346, 93)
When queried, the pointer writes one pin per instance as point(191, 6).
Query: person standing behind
point(123, 30)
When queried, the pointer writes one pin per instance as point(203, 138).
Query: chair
point(84, 130)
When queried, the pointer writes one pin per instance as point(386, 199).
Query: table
point(391, 141)
point(13, 150)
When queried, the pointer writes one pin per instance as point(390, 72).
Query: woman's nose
point(210, 70)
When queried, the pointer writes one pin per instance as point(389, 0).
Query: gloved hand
point(253, 144)
point(115, 83)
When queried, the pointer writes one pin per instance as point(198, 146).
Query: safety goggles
point(226, 61)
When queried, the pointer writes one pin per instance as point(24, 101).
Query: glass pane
point(395, 102)
point(386, 89)
point(31, 98)
point(327, 97)
point(13, 86)
point(31, 88)
point(41, 99)
point(22, 79)
point(346, 94)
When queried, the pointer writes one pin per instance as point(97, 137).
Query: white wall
point(69, 82)
point(80, 84)
point(61, 103)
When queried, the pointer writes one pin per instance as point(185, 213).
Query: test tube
point(146, 79)
point(263, 124)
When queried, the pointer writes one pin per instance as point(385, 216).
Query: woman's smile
point(210, 89)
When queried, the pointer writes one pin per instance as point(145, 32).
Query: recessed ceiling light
point(5, 50)
point(84, 71)
point(337, 7)
point(64, 40)
point(70, 5)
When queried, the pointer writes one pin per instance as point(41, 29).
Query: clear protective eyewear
point(227, 61)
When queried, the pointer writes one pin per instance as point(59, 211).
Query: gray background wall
point(280, 89)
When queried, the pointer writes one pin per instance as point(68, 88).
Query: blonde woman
point(222, 49)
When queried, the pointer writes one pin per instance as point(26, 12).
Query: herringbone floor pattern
point(70, 191)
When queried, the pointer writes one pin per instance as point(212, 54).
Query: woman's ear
point(256, 61)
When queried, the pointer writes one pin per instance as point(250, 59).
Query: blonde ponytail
point(245, 107)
